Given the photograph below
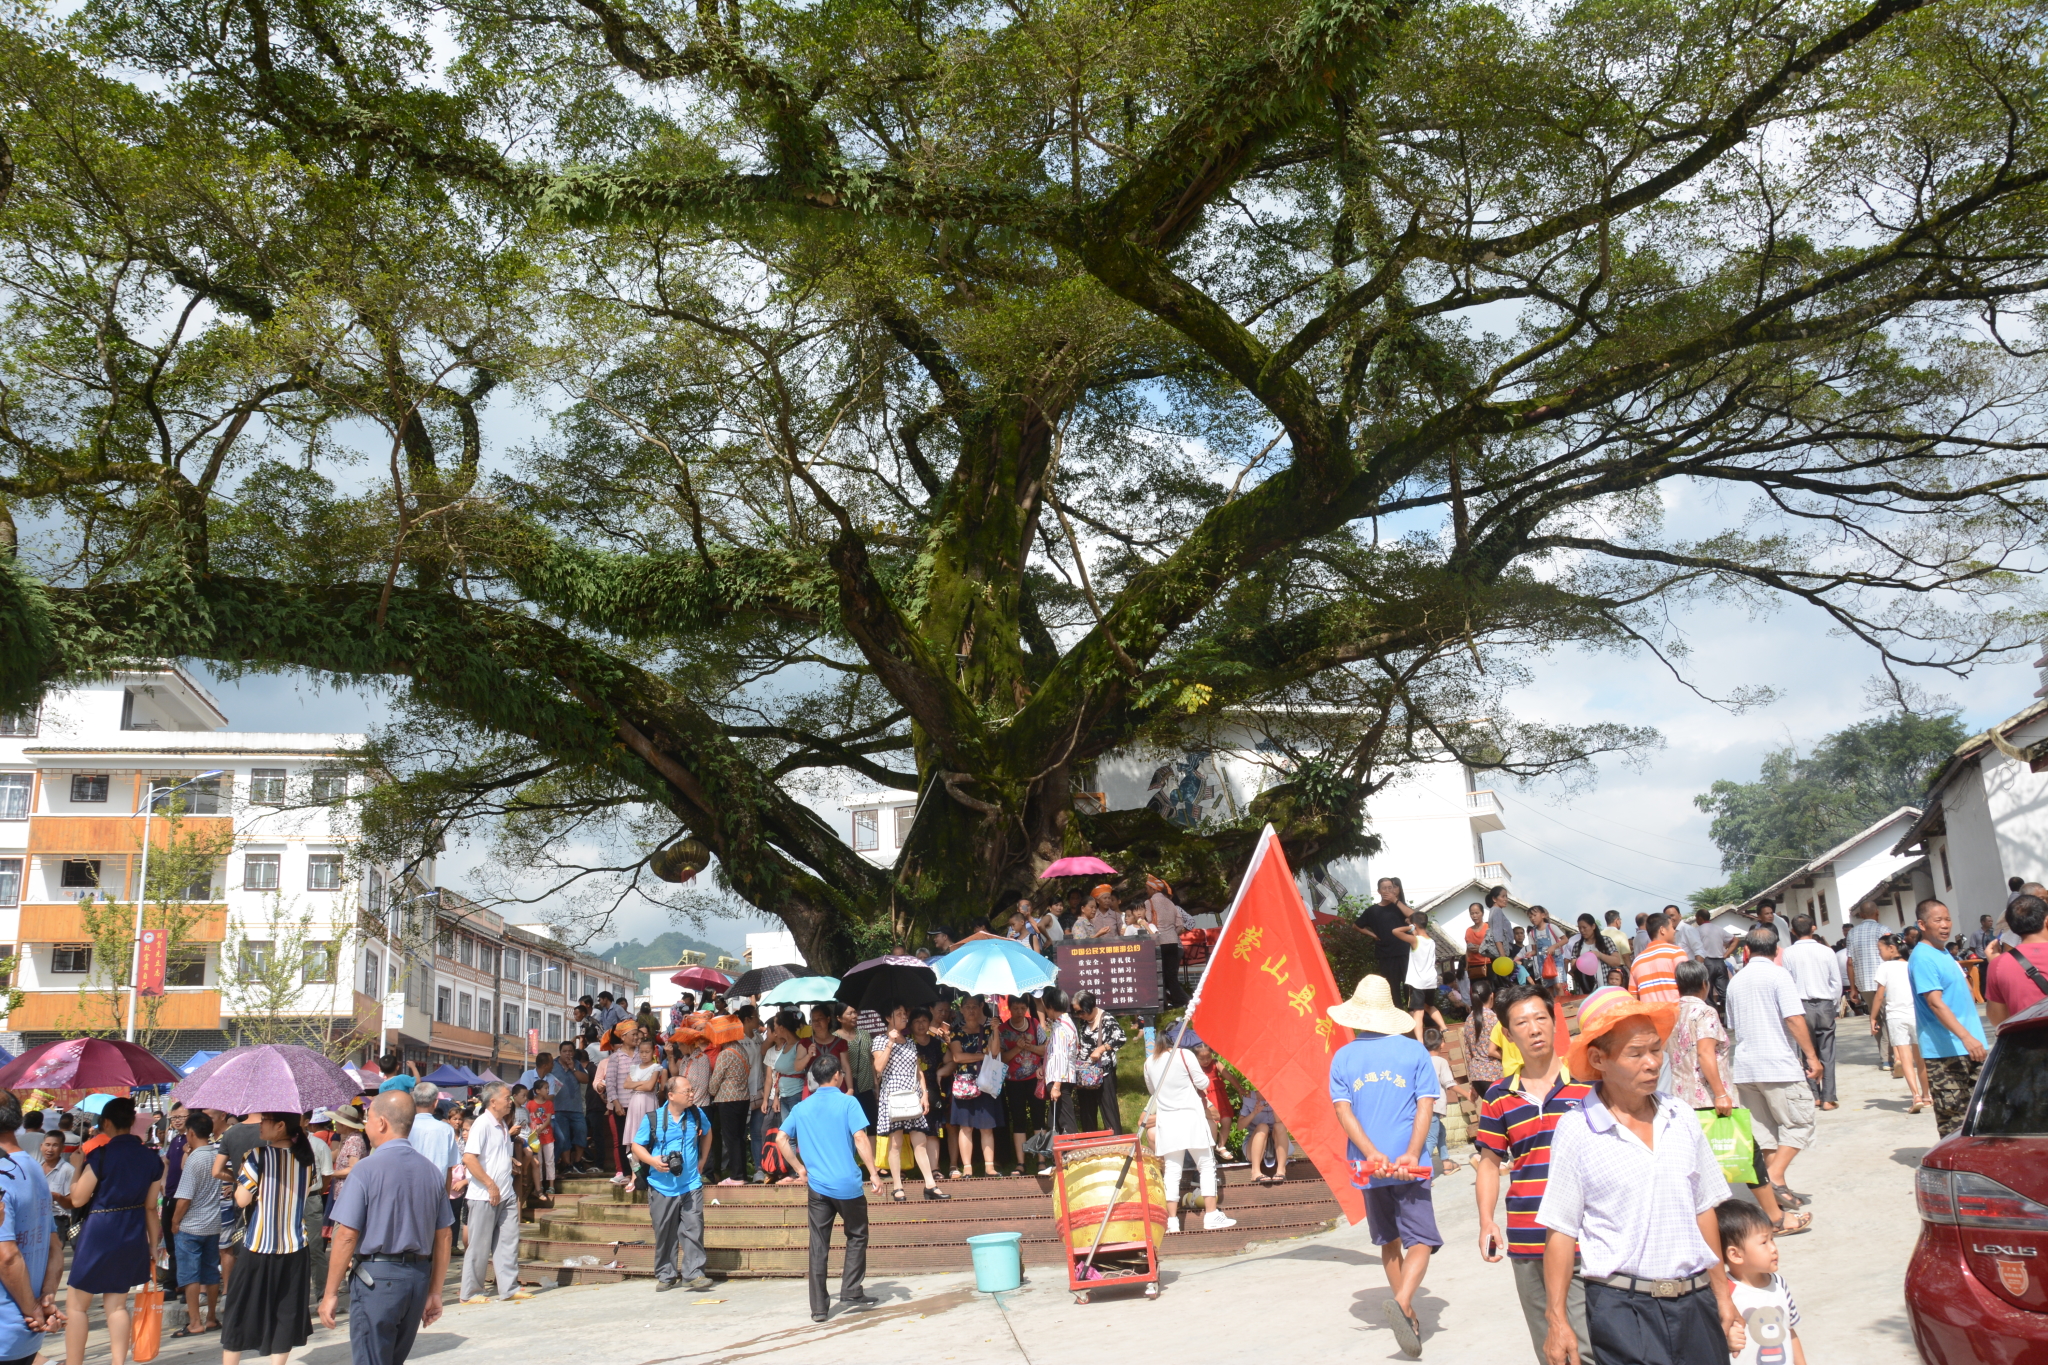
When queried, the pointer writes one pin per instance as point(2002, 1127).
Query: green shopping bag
point(1733, 1142)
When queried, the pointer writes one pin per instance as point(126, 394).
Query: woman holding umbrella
point(122, 1186)
point(268, 1298)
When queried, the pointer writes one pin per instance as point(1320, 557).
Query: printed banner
point(1123, 972)
point(1262, 1006)
point(152, 963)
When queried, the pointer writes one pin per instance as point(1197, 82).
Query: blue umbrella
point(803, 990)
point(995, 966)
point(93, 1104)
point(197, 1060)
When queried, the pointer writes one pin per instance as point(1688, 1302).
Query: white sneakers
point(1215, 1222)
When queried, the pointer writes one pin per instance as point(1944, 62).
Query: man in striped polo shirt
point(1515, 1124)
point(1653, 976)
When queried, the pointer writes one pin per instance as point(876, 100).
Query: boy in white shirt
point(1770, 1317)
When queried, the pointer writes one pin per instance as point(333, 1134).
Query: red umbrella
point(701, 978)
point(84, 1064)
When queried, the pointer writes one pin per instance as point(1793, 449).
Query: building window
point(904, 815)
point(322, 961)
point(190, 798)
point(465, 1005)
point(257, 955)
point(511, 1020)
point(373, 889)
point(867, 829)
point(89, 788)
point(511, 964)
point(444, 1000)
point(71, 959)
point(260, 871)
point(572, 985)
point(6, 978)
point(465, 950)
point(444, 941)
point(200, 888)
point(330, 786)
point(186, 967)
point(554, 1033)
point(533, 1021)
point(373, 975)
point(1823, 907)
point(1946, 883)
point(323, 872)
point(18, 724)
point(14, 789)
point(10, 881)
point(79, 873)
point(266, 786)
point(554, 976)
point(533, 969)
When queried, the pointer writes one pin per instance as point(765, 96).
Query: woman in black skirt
point(269, 1293)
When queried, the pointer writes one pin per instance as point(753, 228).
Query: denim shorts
point(198, 1256)
point(570, 1130)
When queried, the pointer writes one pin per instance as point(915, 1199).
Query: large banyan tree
point(690, 409)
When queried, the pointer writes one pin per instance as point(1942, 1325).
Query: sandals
point(1790, 1199)
point(955, 1175)
point(188, 1331)
point(1793, 1223)
point(934, 1192)
point(898, 1195)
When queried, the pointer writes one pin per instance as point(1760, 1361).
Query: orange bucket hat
point(1601, 1012)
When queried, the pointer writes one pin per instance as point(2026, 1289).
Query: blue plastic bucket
point(998, 1261)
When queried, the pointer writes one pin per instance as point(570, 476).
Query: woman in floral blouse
point(1022, 1039)
point(1101, 1039)
point(1482, 1058)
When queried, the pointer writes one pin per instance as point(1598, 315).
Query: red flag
point(1263, 1004)
point(152, 962)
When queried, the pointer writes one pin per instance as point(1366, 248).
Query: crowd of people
point(1626, 1241)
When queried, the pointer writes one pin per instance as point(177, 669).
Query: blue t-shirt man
point(1931, 969)
point(822, 1127)
point(26, 1220)
point(1382, 1076)
point(661, 1133)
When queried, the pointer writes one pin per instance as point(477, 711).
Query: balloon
point(1503, 966)
point(1588, 964)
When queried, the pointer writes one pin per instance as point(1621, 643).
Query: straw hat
point(349, 1116)
point(1371, 1009)
point(1601, 1012)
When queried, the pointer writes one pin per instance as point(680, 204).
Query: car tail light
point(1969, 1200)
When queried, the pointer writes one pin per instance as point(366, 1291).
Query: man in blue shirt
point(430, 1137)
point(819, 1139)
point(31, 1256)
point(1951, 1035)
point(674, 1142)
point(1383, 1087)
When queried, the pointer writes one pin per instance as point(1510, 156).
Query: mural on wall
point(1190, 789)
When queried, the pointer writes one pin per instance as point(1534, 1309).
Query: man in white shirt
point(1767, 1019)
point(493, 1201)
point(1817, 973)
point(1689, 937)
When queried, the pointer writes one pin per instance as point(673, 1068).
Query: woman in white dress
point(1892, 1008)
point(1178, 1119)
point(646, 1084)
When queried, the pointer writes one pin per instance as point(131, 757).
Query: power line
point(1771, 857)
point(1616, 881)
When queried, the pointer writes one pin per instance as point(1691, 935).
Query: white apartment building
point(1984, 820)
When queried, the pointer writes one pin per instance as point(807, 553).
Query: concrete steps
point(761, 1230)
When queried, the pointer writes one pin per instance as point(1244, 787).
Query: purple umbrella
point(273, 1078)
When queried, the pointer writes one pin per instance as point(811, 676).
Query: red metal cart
point(1111, 1214)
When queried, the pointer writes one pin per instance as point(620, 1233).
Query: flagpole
point(1267, 837)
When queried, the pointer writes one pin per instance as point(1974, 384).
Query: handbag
point(1089, 1074)
point(904, 1104)
point(1734, 1144)
point(994, 1071)
point(146, 1327)
point(966, 1084)
point(1039, 1145)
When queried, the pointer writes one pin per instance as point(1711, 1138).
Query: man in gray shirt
point(391, 1238)
point(195, 1227)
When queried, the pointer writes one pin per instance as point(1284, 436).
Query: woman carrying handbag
point(903, 1103)
point(1178, 1118)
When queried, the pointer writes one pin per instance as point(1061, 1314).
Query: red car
point(1977, 1287)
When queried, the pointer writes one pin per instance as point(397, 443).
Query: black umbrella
point(758, 982)
point(882, 983)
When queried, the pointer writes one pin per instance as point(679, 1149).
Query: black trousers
point(1065, 1117)
point(1628, 1328)
point(823, 1208)
point(729, 1125)
point(1717, 982)
point(1098, 1106)
point(1169, 966)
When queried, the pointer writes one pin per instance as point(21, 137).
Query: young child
point(1433, 1039)
point(1770, 1319)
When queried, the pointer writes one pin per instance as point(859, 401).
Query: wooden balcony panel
point(65, 923)
point(110, 835)
point(74, 1011)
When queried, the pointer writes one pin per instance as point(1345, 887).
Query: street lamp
point(142, 892)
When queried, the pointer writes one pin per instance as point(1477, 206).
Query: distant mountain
point(668, 948)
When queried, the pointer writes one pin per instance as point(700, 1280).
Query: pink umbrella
point(1083, 866)
point(84, 1063)
point(271, 1078)
point(701, 978)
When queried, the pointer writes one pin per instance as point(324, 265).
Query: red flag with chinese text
point(1263, 1004)
point(152, 962)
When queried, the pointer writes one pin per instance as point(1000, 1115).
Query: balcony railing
point(1482, 803)
point(1492, 872)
